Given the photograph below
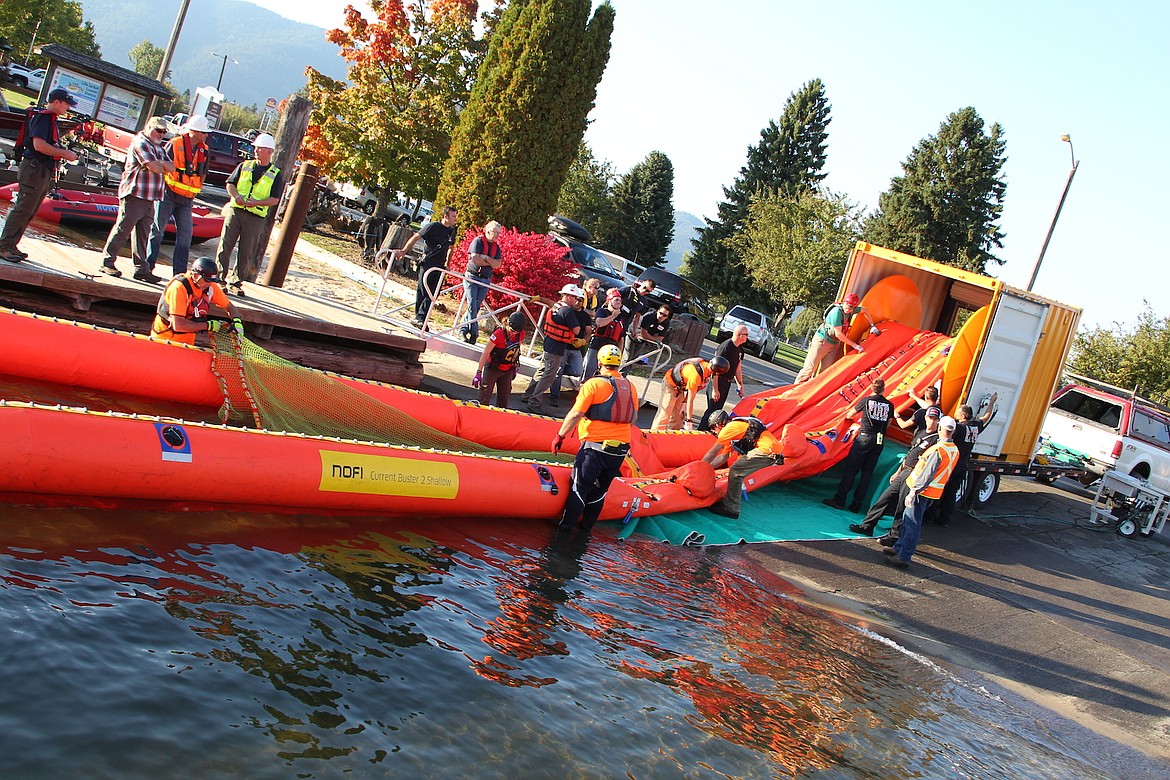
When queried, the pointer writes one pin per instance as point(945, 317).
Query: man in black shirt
point(928, 401)
point(893, 500)
point(717, 391)
point(966, 434)
point(440, 240)
point(876, 412)
point(42, 149)
point(634, 304)
point(652, 331)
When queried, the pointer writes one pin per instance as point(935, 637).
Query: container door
point(1004, 361)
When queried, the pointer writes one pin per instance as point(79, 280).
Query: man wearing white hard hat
point(188, 151)
point(254, 187)
point(561, 327)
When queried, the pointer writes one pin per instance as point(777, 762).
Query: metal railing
point(515, 301)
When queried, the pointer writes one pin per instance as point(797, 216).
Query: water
point(142, 644)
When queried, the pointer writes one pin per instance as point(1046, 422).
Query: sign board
point(209, 102)
point(120, 108)
point(83, 89)
point(212, 112)
point(270, 104)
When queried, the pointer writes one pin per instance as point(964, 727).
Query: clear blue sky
point(699, 80)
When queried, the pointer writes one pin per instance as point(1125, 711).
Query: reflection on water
point(147, 645)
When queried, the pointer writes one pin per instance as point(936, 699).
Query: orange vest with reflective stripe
point(948, 455)
point(555, 330)
point(187, 179)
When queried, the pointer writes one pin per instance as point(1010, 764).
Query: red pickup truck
point(225, 151)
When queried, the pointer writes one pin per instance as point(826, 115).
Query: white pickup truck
point(1112, 429)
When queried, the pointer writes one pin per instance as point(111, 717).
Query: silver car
point(761, 340)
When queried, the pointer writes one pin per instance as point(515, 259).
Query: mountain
point(684, 230)
point(272, 51)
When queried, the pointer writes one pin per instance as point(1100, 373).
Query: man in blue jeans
point(925, 485)
point(188, 151)
point(484, 256)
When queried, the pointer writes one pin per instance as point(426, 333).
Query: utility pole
point(222, 68)
point(165, 65)
point(33, 42)
point(1075, 164)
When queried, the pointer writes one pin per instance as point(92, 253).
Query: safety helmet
point(264, 141)
point(609, 355)
point(573, 290)
point(198, 123)
point(719, 365)
point(851, 300)
point(517, 321)
point(206, 268)
point(718, 419)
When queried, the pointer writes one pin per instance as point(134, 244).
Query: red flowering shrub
point(534, 264)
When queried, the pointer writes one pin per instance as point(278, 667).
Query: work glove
point(475, 380)
point(238, 325)
point(873, 330)
point(215, 326)
point(557, 443)
point(739, 390)
point(688, 426)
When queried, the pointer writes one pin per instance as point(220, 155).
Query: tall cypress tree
point(945, 205)
point(643, 224)
point(527, 113)
point(788, 159)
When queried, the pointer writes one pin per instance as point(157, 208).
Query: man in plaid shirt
point(141, 186)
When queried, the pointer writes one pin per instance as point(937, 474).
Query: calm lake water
point(147, 645)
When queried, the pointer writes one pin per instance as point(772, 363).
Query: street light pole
point(1073, 172)
point(222, 68)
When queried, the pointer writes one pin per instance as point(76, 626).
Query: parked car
point(26, 77)
point(679, 293)
point(594, 264)
point(1113, 429)
point(761, 340)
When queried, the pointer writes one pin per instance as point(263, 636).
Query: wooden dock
point(61, 279)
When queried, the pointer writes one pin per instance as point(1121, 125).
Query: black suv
point(593, 264)
point(679, 293)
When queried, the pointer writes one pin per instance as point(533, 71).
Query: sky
point(698, 81)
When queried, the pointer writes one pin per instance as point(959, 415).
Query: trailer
point(1008, 342)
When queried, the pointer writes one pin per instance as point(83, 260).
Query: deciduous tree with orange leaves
point(410, 72)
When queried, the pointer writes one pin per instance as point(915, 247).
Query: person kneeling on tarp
point(193, 303)
point(754, 443)
point(603, 413)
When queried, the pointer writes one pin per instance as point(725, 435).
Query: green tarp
point(784, 511)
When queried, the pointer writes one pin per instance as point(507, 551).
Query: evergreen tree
point(945, 205)
point(788, 159)
point(527, 114)
point(585, 196)
point(643, 224)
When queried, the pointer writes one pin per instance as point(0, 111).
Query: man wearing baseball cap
point(924, 486)
point(255, 187)
point(188, 152)
point(41, 148)
point(561, 326)
point(834, 331)
point(140, 188)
